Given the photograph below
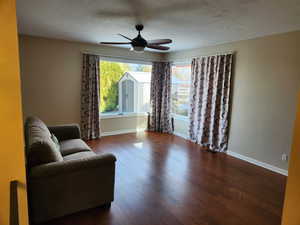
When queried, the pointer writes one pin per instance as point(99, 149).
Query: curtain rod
point(121, 57)
point(184, 60)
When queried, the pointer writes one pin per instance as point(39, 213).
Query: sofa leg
point(106, 206)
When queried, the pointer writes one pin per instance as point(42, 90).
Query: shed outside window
point(127, 96)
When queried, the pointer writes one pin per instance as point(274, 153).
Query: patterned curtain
point(210, 101)
point(90, 97)
point(160, 97)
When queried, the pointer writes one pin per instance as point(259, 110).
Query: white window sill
point(180, 117)
point(119, 115)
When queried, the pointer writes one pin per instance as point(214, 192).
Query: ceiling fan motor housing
point(139, 41)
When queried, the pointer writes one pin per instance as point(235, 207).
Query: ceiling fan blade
point(125, 37)
point(159, 41)
point(158, 47)
point(114, 43)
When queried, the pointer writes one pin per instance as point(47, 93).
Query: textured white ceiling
point(190, 23)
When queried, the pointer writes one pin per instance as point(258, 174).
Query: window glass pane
point(181, 76)
point(127, 96)
point(138, 95)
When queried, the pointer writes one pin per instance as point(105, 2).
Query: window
point(124, 87)
point(180, 90)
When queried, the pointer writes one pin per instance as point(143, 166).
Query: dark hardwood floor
point(165, 180)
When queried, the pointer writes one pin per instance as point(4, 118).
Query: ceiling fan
point(139, 43)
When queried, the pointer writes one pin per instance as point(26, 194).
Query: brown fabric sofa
point(64, 176)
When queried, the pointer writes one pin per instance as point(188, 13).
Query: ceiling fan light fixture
point(138, 49)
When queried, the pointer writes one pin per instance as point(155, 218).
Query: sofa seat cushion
point(79, 155)
point(71, 146)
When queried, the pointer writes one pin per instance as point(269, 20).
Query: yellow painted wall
point(11, 132)
point(291, 211)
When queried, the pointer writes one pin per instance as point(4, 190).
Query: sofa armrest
point(61, 188)
point(65, 132)
point(69, 166)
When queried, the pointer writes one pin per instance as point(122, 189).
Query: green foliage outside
point(110, 74)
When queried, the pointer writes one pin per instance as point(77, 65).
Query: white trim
point(233, 154)
point(245, 158)
point(121, 115)
point(258, 163)
point(124, 131)
point(181, 135)
point(180, 117)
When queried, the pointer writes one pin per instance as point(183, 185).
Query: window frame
point(122, 115)
point(119, 113)
point(175, 115)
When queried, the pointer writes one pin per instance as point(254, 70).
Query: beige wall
point(51, 76)
point(265, 86)
point(127, 123)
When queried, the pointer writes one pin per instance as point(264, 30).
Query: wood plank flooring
point(162, 179)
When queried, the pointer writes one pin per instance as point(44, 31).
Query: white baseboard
point(123, 131)
point(258, 163)
point(181, 135)
point(234, 154)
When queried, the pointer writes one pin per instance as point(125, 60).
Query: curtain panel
point(90, 97)
point(210, 101)
point(160, 97)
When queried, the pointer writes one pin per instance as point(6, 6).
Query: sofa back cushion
point(40, 147)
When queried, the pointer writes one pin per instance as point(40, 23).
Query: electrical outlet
point(284, 157)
